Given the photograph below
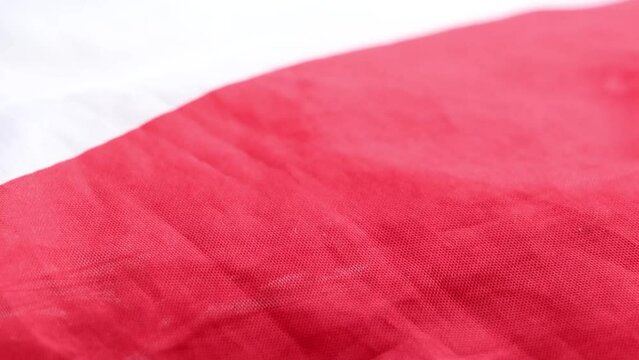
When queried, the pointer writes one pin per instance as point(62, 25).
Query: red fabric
point(468, 195)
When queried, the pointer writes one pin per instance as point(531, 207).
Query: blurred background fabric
point(74, 74)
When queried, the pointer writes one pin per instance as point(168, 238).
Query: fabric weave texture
point(468, 195)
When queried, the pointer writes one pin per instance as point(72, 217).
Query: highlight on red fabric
point(468, 195)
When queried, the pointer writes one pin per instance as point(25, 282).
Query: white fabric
point(74, 74)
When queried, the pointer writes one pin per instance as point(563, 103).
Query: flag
point(471, 194)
